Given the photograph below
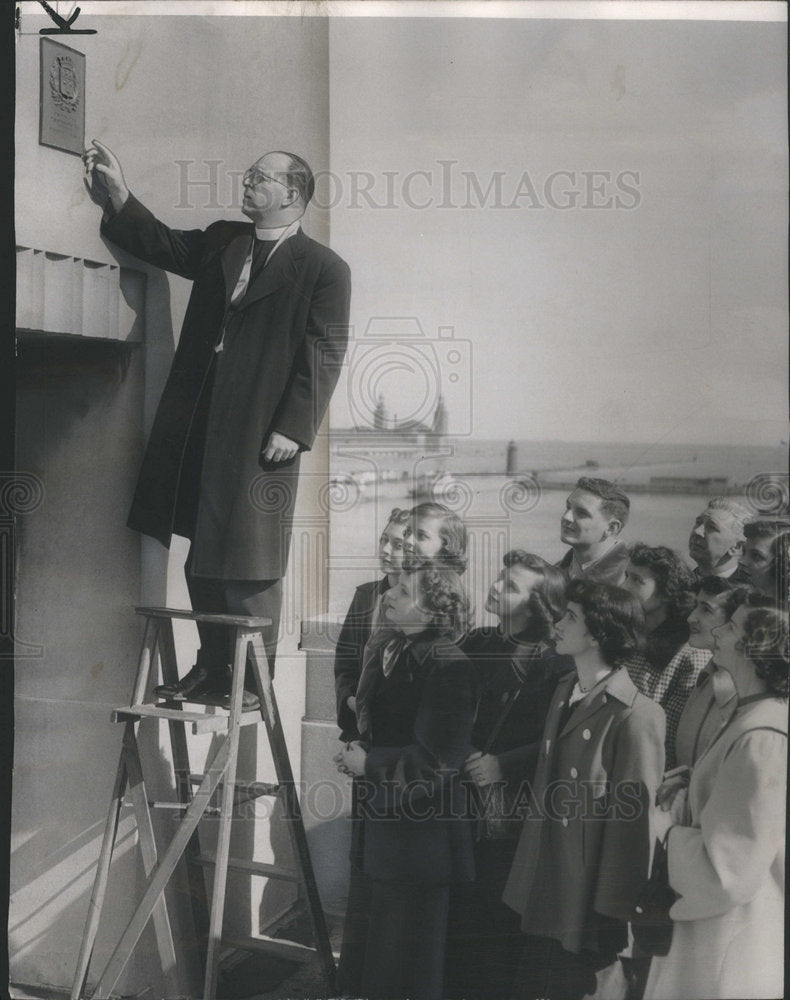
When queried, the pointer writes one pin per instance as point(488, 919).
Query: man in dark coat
point(595, 514)
point(259, 355)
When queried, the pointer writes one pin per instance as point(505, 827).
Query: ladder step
point(208, 811)
point(235, 621)
point(274, 946)
point(252, 789)
point(201, 722)
point(254, 868)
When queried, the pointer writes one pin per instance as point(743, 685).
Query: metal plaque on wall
point(62, 97)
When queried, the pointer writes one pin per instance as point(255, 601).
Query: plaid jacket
point(670, 687)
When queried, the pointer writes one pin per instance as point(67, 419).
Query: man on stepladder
point(258, 357)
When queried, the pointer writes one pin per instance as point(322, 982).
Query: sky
point(626, 280)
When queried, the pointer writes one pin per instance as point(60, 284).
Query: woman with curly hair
point(415, 724)
point(585, 842)
point(434, 536)
point(669, 668)
point(725, 837)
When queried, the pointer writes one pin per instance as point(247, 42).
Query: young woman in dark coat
point(356, 628)
point(517, 671)
point(417, 841)
point(428, 535)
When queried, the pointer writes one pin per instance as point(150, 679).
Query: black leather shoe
point(197, 683)
point(249, 701)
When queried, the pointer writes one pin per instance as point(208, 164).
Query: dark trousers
point(259, 598)
point(355, 926)
point(548, 972)
point(484, 940)
point(404, 952)
point(351, 964)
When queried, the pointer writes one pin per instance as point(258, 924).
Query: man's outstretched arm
point(130, 225)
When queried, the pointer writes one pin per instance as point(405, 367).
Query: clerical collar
point(271, 234)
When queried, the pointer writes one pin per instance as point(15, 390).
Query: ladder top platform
point(201, 722)
point(239, 621)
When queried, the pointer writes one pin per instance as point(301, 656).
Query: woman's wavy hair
point(398, 515)
point(442, 595)
point(452, 532)
point(613, 618)
point(766, 642)
point(546, 603)
point(674, 580)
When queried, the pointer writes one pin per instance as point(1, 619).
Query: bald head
point(277, 189)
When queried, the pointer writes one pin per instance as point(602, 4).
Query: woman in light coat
point(584, 850)
point(726, 855)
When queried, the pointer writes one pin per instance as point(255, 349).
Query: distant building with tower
point(396, 442)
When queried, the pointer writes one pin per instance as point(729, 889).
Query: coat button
point(639, 909)
point(586, 734)
point(560, 704)
point(564, 820)
point(574, 773)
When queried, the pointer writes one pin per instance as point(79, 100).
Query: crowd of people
point(512, 785)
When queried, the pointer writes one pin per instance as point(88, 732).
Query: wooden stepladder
point(220, 771)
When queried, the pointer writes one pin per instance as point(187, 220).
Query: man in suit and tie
point(258, 357)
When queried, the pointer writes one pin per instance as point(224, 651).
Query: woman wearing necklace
point(725, 841)
point(584, 849)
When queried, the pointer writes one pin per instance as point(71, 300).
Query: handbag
point(651, 923)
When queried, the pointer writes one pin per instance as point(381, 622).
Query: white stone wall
point(176, 98)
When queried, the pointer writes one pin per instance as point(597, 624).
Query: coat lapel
point(281, 270)
point(619, 685)
point(561, 695)
point(233, 257)
point(583, 712)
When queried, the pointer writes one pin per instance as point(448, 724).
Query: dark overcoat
point(584, 849)
point(203, 474)
point(415, 811)
point(348, 653)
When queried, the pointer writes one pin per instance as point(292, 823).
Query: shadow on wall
point(80, 431)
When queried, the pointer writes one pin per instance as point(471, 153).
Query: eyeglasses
point(253, 177)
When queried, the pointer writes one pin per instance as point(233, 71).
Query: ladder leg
point(161, 875)
point(178, 744)
point(147, 650)
point(293, 812)
point(102, 875)
point(226, 815)
point(164, 933)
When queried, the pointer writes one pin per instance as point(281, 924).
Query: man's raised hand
point(103, 176)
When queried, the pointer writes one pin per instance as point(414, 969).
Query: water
point(499, 517)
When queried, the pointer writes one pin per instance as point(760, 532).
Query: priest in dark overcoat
point(260, 352)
